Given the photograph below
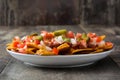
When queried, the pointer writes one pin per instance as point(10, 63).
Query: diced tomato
point(83, 44)
point(48, 36)
point(98, 39)
point(54, 43)
point(21, 45)
point(48, 42)
point(55, 51)
point(70, 34)
point(91, 39)
point(15, 43)
point(91, 35)
point(108, 44)
point(78, 35)
point(36, 41)
point(28, 39)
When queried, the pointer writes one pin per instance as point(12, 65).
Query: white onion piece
point(17, 37)
point(42, 34)
point(73, 41)
point(102, 43)
point(42, 43)
point(59, 39)
point(48, 48)
point(23, 38)
point(94, 41)
point(25, 47)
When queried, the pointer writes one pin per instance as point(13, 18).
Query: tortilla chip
point(87, 50)
point(97, 51)
point(44, 52)
point(31, 50)
point(31, 45)
point(108, 47)
point(63, 47)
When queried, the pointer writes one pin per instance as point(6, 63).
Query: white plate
point(60, 60)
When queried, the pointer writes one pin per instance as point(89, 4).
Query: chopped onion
point(73, 41)
point(42, 34)
point(48, 48)
point(42, 43)
point(59, 39)
point(23, 38)
point(102, 43)
point(93, 41)
point(25, 47)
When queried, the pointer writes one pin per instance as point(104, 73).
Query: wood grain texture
point(105, 69)
point(59, 12)
point(43, 12)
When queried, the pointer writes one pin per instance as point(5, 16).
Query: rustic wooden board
point(3, 62)
point(105, 69)
point(44, 12)
point(4, 57)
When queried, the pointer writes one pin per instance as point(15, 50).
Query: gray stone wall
point(59, 12)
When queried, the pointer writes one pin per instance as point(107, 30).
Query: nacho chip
point(44, 52)
point(31, 50)
point(87, 50)
point(31, 45)
point(108, 45)
point(97, 51)
point(63, 47)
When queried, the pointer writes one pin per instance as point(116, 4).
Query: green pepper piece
point(79, 39)
point(66, 39)
point(85, 37)
point(60, 32)
point(39, 37)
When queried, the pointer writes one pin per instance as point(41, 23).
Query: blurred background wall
point(59, 12)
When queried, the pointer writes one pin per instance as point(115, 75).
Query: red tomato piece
point(98, 39)
point(21, 45)
point(70, 34)
point(108, 44)
point(48, 42)
point(36, 41)
point(15, 43)
point(55, 50)
point(91, 39)
point(28, 39)
point(83, 44)
point(91, 35)
point(48, 36)
point(78, 35)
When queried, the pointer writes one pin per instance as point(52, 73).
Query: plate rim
point(60, 66)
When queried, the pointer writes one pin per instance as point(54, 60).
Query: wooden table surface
point(105, 69)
